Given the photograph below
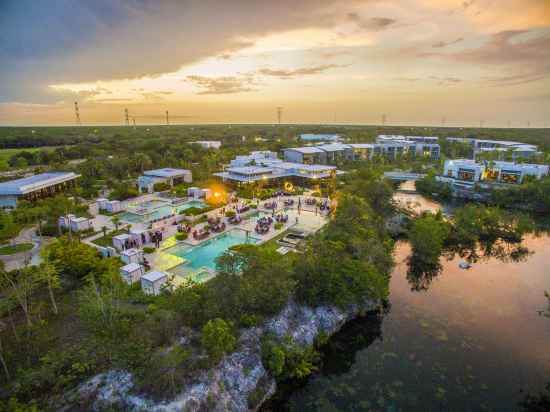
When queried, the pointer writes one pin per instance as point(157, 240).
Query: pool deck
point(307, 221)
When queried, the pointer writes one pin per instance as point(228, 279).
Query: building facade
point(470, 171)
point(150, 178)
point(35, 187)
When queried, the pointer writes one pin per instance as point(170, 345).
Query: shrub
point(161, 187)
point(278, 226)
point(181, 236)
point(230, 213)
point(148, 249)
point(193, 211)
point(218, 338)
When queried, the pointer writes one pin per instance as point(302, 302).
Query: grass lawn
point(12, 249)
point(5, 154)
point(108, 240)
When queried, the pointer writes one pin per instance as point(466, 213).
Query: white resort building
point(35, 187)
point(265, 166)
point(388, 146)
point(150, 178)
point(208, 144)
point(309, 137)
point(469, 172)
point(517, 150)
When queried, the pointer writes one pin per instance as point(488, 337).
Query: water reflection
point(474, 340)
point(420, 274)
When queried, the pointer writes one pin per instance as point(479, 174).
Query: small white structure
point(102, 203)
point(140, 236)
point(93, 208)
point(120, 241)
point(198, 193)
point(131, 256)
point(209, 144)
point(147, 181)
point(79, 224)
point(132, 272)
point(152, 283)
point(113, 206)
point(76, 224)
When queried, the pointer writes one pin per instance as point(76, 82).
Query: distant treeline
point(22, 137)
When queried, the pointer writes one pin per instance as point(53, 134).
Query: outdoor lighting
point(216, 194)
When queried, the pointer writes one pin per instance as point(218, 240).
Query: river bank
point(238, 383)
point(469, 340)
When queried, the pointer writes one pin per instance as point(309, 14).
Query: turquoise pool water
point(205, 254)
point(158, 210)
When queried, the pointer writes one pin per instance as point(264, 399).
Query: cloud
point(372, 23)
point(291, 73)
point(222, 84)
point(156, 95)
point(524, 53)
point(72, 41)
point(441, 44)
point(446, 81)
point(442, 81)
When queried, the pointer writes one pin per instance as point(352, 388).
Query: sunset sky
point(324, 61)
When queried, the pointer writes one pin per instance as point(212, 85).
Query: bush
point(181, 236)
point(218, 338)
point(148, 249)
point(230, 213)
point(287, 360)
point(193, 211)
point(278, 226)
point(161, 187)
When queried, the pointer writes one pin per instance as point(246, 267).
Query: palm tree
point(116, 222)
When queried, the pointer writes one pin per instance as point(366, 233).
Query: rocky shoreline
point(238, 383)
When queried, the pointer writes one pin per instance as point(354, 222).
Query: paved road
point(18, 260)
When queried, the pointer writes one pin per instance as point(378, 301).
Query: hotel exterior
point(266, 167)
point(35, 187)
point(517, 150)
point(467, 172)
point(150, 178)
point(391, 147)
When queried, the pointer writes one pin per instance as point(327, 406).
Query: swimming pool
point(156, 209)
point(205, 254)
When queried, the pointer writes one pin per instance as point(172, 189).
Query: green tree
point(427, 235)
point(116, 221)
point(20, 285)
point(218, 338)
point(49, 275)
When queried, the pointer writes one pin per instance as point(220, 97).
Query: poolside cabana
point(120, 241)
point(113, 206)
point(132, 272)
point(131, 256)
point(152, 283)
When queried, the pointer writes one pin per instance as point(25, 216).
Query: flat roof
point(306, 149)
point(363, 145)
point(131, 267)
point(36, 182)
point(166, 172)
point(333, 147)
point(130, 252)
point(249, 170)
point(318, 136)
point(154, 275)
